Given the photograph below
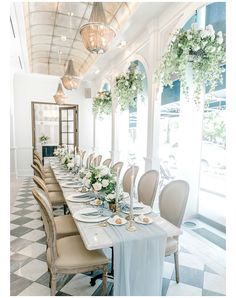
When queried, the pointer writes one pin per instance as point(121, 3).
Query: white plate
point(77, 199)
point(125, 195)
point(145, 210)
point(71, 184)
point(138, 220)
point(112, 221)
point(64, 178)
point(85, 218)
point(87, 211)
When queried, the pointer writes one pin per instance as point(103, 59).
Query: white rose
point(219, 40)
point(126, 83)
point(210, 30)
point(134, 87)
point(97, 186)
point(104, 171)
point(105, 182)
point(70, 165)
point(220, 34)
point(110, 197)
point(88, 175)
point(204, 33)
point(86, 182)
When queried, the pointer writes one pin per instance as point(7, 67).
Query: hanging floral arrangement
point(102, 103)
point(204, 49)
point(128, 86)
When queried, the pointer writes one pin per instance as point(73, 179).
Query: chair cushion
point(65, 226)
point(72, 254)
point(49, 175)
point(53, 187)
point(56, 197)
point(47, 169)
point(171, 246)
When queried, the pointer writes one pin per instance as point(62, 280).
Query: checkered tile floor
point(29, 276)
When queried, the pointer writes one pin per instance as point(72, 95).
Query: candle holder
point(131, 226)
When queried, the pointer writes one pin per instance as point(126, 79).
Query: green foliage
point(204, 49)
point(43, 139)
point(214, 128)
point(128, 86)
point(102, 103)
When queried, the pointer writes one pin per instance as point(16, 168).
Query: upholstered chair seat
point(171, 246)
point(53, 187)
point(73, 254)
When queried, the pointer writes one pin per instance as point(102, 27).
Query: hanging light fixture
point(59, 97)
point(70, 80)
point(97, 34)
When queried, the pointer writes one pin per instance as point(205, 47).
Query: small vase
point(112, 207)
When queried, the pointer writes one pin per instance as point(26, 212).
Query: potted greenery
point(128, 86)
point(43, 139)
point(204, 50)
point(102, 103)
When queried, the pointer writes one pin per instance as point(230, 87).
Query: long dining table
point(138, 256)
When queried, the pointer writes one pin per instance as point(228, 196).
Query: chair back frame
point(142, 188)
point(126, 182)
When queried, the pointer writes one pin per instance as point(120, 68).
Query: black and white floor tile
point(29, 275)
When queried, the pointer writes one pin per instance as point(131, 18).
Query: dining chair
point(89, 160)
point(36, 155)
point(126, 182)
point(41, 168)
point(97, 160)
point(52, 185)
point(147, 187)
point(107, 162)
point(56, 197)
point(65, 225)
point(116, 168)
point(172, 204)
point(67, 255)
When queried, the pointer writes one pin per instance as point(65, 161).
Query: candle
point(132, 192)
point(117, 186)
point(75, 150)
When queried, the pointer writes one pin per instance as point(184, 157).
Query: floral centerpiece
point(204, 49)
point(128, 86)
point(102, 103)
point(43, 139)
point(68, 161)
point(102, 181)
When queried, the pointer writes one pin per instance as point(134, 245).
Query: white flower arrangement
point(102, 103)
point(204, 49)
point(128, 86)
point(100, 179)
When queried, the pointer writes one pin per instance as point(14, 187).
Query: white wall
point(36, 87)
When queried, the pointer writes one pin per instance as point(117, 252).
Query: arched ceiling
point(52, 30)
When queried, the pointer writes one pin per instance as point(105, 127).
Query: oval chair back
point(41, 184)
point(37, 172)
point(116, 168)
point(127, 178)
point(89, 160)
point(97, 160)
point(173, 200)
point(107, 162)
point(147, 187)
point(48, 221)
point(38, 164)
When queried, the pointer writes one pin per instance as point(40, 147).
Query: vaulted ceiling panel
point(53, 37)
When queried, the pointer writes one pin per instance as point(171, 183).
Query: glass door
point(68, 126)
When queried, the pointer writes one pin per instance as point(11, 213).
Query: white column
point(115, 126)
point(190, 140)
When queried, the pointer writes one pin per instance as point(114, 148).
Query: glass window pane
point(70, 138)
point(64, 138)
point(64, 127)
point(63, 114)
point(70, 114)
point(70, 126)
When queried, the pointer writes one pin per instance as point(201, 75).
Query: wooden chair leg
point(104, 281)
point(176, 257)
point(53, 284)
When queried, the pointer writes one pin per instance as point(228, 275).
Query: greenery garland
point(204, 49)
point(102, 103)
point(128, 86)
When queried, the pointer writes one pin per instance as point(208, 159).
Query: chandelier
point(70, 80)
point(97, 34)
point(59, 97)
